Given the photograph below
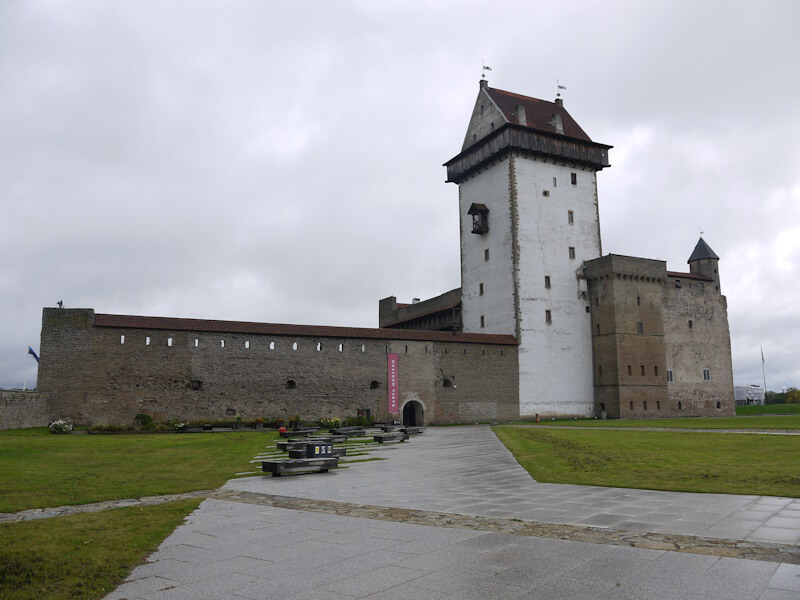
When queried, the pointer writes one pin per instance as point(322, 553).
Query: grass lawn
point(40, 469)
point(82, 556)
point(788, 421)
point(87, 555)
point(769, 409)
point(675, 461)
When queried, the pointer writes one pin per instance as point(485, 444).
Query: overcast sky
point(282, 161)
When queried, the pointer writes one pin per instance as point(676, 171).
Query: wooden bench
point(412, 430)
point(299, 465)
point(298, 433)
point(348, 431)
point(382, 438)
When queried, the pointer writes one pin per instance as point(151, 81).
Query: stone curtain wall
point(20, 409)
point(93, 377)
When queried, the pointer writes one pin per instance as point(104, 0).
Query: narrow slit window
point(483, 321)
point(631, 404)
point(169, 342)
point(570, 217)
point(147, 341)
point(640, 327)
point(670, 376)
point(548, 317)
point(480, 289)
point(644, 404)
point(655, 370)
point(294, 345)
point(319, 346)
point(247, 345)
point(363, 348)
point(572, 252)
point(122, 339)
point(642, 368)
point(706, 374)
point(547, 281)
point(272, 345)
point(222, 343)
point(196, 342)
point(546, 193)
point(486, 254)
point(690, 323)
point(658, 404)
point(555, 182)
point(574, 178)
point(630, 370)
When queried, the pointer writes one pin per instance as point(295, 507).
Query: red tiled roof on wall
point(179, 324)
point(538, 113)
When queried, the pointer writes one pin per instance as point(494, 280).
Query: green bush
point(359, 422)
point(144, 421)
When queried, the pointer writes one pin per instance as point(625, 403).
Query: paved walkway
point(248, 549)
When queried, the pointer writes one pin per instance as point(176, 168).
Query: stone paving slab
point(420, 561)
point(467, 470)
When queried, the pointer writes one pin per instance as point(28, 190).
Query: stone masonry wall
point(93, 376)
point(705, 344)
point(20, 409)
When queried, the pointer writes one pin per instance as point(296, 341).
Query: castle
point(543, 323)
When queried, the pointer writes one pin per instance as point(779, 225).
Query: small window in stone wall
point(638, 300)
point(547, 281)
point(294, 346)
point(374, 385)
point(599, 372)
point(706, 374)
point(169, 342)
point(546, 193)
point(571, 252)
point(447, 383)
point(670, 376)
point(196, 342)
point(483, 321)
point(655, 370)
point(363, 348)
point(640, 327)
point(548, 317)
point(196, 384)
point(644, 404)
point(680, 406)
point(631, 405)
point(630, 371)
point(555, 182)
point(122, 339)
point(272, 345)
point(247, 345)
point(690, 323)
point(341, 347)
point(291, 384)
point(570, 217)
point(574, 178)
point(719, 405)
point(486, 254)
point(480, 289)
point(642, 368)
point(222, 343)
point(319, 346)
point(658, 404)
point(147, 341)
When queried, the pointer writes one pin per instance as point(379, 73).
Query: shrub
point(144, 421)
point(332, 423)
point(359, 422)
point(60, 426)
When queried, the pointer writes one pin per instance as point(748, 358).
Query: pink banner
point(394, 390)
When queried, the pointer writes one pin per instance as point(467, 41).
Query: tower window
point(555, 182)
point(630, 372)
point(690, 323)
point(546, 193)
point(644, 404)
point(122, 339)
point(631, 404)
point(570, 217)
point(483, 321)
point(642, 368)
point(670, 376)
point(638, 300)
point(655, 370)
point(574, 178)
point(480, 289)
point(480, 218)
point(640, 327)
point(548, 317)
point(706, 374)
point(571, 252)
point(547, 281)
point(486, 254)
point(291, 384)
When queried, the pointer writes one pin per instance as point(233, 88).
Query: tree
point(792, 396)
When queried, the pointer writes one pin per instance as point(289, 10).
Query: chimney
point(484, 83)
point(560, 101)
point(519, 113)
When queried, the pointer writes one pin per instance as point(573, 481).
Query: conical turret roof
point(701, 251)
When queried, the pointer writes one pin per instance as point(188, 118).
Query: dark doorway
point(413, 414)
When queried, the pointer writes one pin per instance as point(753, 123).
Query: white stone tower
point(527, 179)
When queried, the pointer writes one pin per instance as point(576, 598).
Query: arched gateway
point(413, 414)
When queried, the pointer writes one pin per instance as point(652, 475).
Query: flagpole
point(25, 381)
point(764, 374)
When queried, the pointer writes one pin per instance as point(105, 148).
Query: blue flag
point(32, 353)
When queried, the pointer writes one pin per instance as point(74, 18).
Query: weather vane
point(559, 88)
point(484, 68)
